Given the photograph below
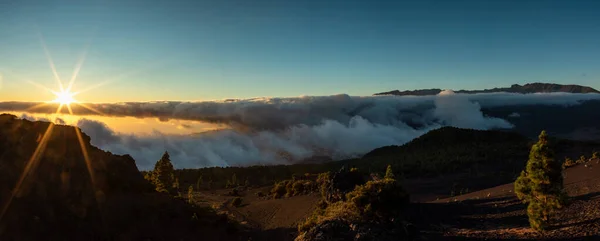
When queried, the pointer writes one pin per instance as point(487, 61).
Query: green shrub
point(378, 201)
point(236, 202)
point(568, 163)
point(342, 182)
point(595, 155)
point(541, 184)
point(323, 181)
point(310, 186)
point(279, 190)
point(298, 188)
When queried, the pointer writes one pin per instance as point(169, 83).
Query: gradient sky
point(202, 50)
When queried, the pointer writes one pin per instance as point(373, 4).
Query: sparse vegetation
point(364, 212)
point(290, 188)
point(377, 204)
point(455, 150)
point(540, 185)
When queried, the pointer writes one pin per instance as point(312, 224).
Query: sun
point(64, 97)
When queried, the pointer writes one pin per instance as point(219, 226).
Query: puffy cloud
point(281, 113)
point(457, 110)
point(236, 148)
point(285, 130)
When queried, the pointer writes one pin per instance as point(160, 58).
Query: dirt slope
point(496, 213)
point(272, 219)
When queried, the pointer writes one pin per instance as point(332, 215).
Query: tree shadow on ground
point(586, 197)
point(589, 221)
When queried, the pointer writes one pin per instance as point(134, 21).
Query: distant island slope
point(522, 89)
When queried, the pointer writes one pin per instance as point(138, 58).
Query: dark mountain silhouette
point(522, 89)
point(57, 200)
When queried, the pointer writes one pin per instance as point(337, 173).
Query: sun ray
point(94, 87)
point(29, 167)
point(119, 77)
point(39, 86)
point(70, 110)
point(40, 105)
point(87, 159)
point(51, 62)
point(77, 68)
point(91, 109)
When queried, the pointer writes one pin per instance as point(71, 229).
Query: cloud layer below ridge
point(286, 130)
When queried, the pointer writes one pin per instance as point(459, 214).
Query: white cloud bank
point(285, 130)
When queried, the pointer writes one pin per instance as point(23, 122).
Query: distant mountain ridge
point(516, 88)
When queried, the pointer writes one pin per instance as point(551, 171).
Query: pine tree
point(389, 174)
point(540, 185)
point(163, 174)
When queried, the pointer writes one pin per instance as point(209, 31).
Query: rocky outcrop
point(48, 193)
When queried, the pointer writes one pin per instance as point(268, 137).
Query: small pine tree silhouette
point(163, 174)
point(541, 184)
point(389, 173)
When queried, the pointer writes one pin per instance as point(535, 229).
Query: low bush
point(569, 163)
point(378, 204)
point(290, 188)
point(279, 190)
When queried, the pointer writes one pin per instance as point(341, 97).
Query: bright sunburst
point(64, 97)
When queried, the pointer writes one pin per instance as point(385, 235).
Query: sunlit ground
point(132, 125)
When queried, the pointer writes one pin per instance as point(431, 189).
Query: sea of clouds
point(288, 130)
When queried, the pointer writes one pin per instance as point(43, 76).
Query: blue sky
point(200, 50)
